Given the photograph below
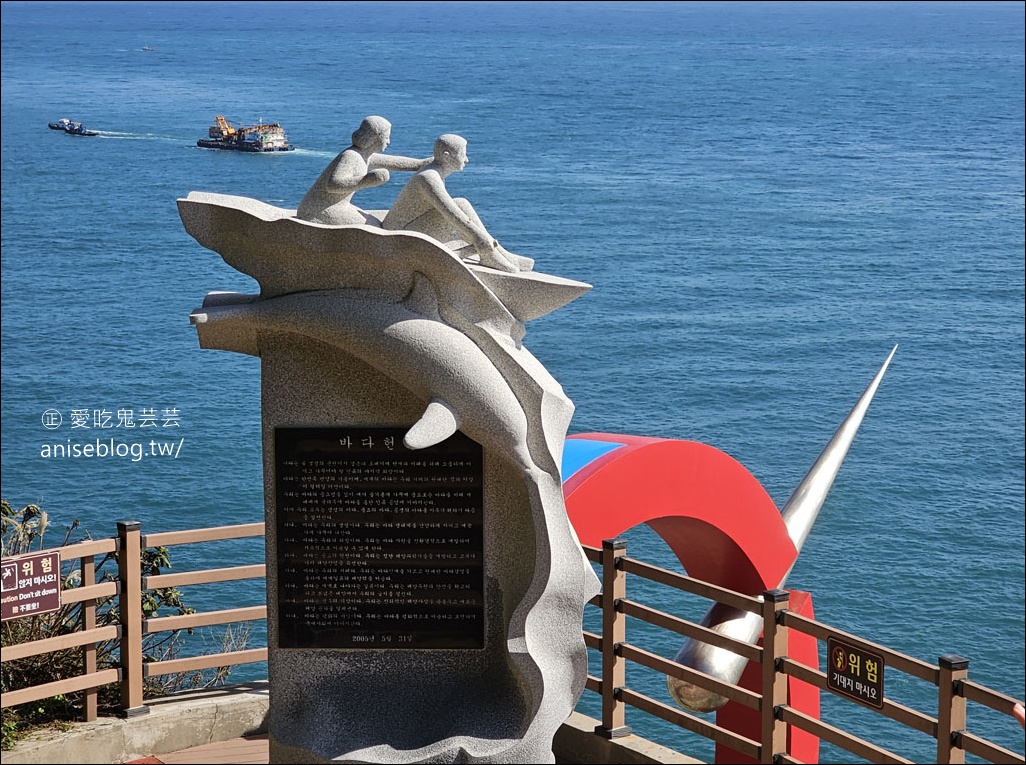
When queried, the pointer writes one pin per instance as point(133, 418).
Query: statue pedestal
point(425, 587)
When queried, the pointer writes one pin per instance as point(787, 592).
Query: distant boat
point(71, 128)
point(261, 137)
point(147, 47)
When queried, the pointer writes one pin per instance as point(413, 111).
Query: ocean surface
point(766, 198)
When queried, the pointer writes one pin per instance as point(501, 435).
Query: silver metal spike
point(799, 514)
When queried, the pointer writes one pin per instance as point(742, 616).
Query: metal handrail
point(949, 675)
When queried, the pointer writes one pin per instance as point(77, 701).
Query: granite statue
point(362, 165)
point(425, 205)
point(357, 324)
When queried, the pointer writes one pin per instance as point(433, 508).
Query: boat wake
point(312, 153)
point(141, 137)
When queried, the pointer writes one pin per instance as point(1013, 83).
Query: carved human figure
point(361, 166)
point(425, 205)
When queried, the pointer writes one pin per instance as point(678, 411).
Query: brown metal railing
point(133, 668)
point(949, 675)
point(209, 618)
point(88, 638)
point(954, 689)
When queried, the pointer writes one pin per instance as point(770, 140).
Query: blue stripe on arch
point(578, 452)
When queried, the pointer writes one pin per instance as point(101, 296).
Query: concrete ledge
point(577, 742)
point(191, 719)
point(175, 722)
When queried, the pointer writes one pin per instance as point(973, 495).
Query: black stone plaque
point(378, 546)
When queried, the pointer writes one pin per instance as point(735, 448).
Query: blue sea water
point(766, 198)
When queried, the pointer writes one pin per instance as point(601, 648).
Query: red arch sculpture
point(720, 523)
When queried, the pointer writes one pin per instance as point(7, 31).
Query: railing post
point(89, 696)
point(774, 683)
point(951, 716)
point(614, 632)
point(130, 614)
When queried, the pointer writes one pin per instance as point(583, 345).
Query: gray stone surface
point(362, 165)
point(175, 722)
point(577, 742)
point(203, 718)
point(425, 205)
point(361, 327)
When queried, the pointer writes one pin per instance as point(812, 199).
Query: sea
point(766, 197)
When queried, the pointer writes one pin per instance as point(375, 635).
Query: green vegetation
point(24, 531)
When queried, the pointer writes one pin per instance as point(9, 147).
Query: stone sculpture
point(361, 166)
point(358, 325)
point(425, 205)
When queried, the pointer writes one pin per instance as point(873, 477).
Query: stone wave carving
point(450, 334)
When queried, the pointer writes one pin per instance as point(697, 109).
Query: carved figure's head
point(451, 152)
point(374, 133)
